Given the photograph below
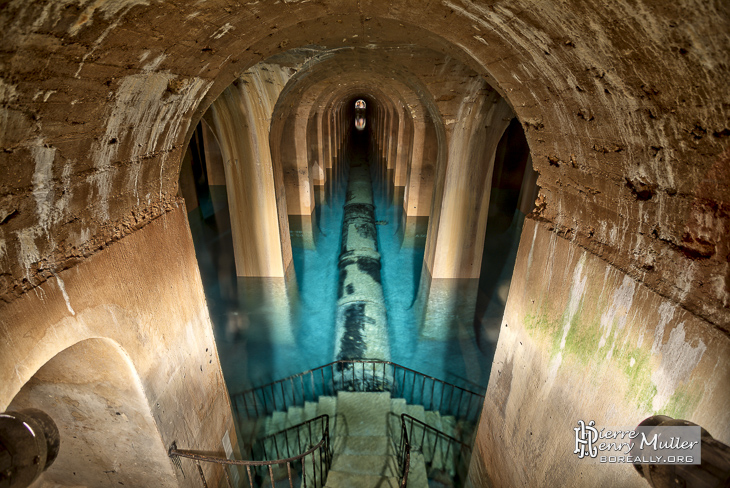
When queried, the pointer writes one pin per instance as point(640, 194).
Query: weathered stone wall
point(581, 340)
point(143, 293)
point(107, 431)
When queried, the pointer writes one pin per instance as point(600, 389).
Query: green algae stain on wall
point(586, 345)
point(544, 328)
point(582, 341)
point(597, 330)
point(683, 402)
point(636, 366)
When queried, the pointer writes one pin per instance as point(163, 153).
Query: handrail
point(432, 452)
point(323, 445)
point(405, 448)
point(374, 375)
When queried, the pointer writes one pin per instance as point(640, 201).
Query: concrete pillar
point(292, 152)
point(405, 149)
point(413, 204)
point(300, 167)
point(259, 226)
point(330, 172)
point(258, 212)
point(320, 187)
point(456, 230)
point(187, 182)
point(214, 165)
point(316, 167)
point(386, 141)
point(383, 138)
point(334, 124)
point(395, 129)
point(456, 239)
point(529, 190)
point(419, 187)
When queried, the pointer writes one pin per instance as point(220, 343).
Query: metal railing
point(359, 375)
point(308, 458)
point(442, 453)
point(404, 455)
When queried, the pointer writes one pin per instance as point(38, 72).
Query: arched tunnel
point(524, 199)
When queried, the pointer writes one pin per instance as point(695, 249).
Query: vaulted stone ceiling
point(625, 107)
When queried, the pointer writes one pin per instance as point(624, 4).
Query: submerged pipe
point(361, 324)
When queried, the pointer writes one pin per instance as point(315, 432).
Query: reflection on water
point(267, 329)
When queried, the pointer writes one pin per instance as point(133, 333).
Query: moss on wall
point(583, 348)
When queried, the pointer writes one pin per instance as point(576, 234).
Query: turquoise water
point(267, 329)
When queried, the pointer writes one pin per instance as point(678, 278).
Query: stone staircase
point(365, 430)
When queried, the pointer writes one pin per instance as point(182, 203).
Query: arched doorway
point(108, 434)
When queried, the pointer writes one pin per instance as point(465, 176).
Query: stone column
point(215, 168)
point(419, 187)
point(456, 230)
point(256, 226)
point(461, 218)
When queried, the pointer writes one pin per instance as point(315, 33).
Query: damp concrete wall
point(580, 340)
point(158, 380)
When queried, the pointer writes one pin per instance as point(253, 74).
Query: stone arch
point(108, 434)
point(297, 108)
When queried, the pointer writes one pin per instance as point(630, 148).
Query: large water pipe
point(361, 324)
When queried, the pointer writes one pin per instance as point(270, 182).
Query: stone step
point(338, 479)
point(310, 476)
point(363, 445)
point(384, 466)
point(310, 410)
point(294, 416)
point(252, 429)
point(433, 419)
point(448, 426)
point(327, 405)
point(464, 431)
point(362, 414)
point(365, 431)
point(397, 407)
point(417, 412)
point(276, 422)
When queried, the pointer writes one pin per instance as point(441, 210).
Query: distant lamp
point(29, 443)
